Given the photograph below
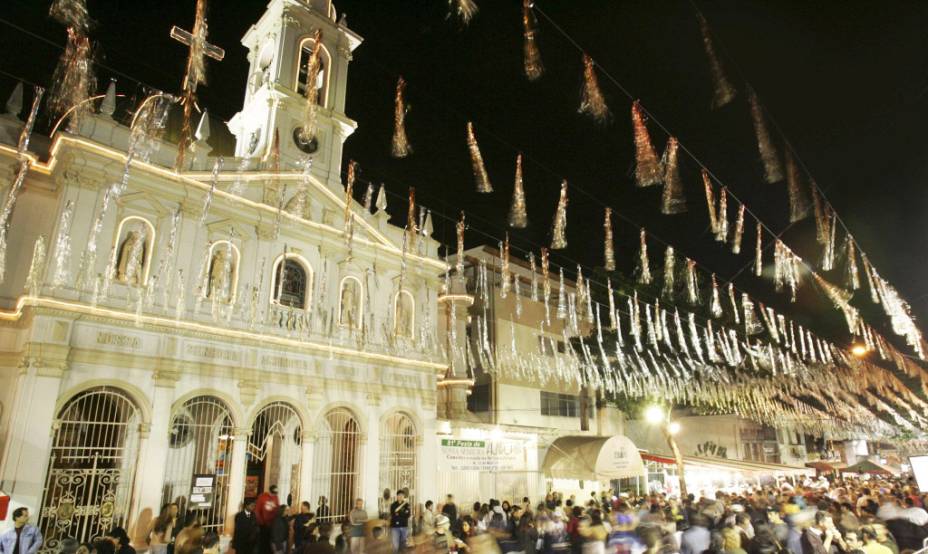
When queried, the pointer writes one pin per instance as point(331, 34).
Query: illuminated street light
point(859, 350)
point(655, 415)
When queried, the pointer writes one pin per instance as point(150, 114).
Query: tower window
point(322, 82)
point(291, 284)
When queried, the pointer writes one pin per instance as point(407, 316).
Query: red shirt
point(267, 507)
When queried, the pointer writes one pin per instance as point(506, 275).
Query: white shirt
point(918, 516)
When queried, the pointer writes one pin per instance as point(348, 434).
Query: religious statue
point(404, 315)
point(131, 258)
point(220, 274)
point(350, 303)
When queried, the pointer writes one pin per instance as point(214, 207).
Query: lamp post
point(655, 416)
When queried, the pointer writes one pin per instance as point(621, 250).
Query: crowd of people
point(842, 516)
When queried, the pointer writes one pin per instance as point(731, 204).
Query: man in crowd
point(23, 538)
point(266, 511)
point(245, 534)
point(399, 521)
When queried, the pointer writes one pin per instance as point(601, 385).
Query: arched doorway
point(274, 452)
point(88, 484)
point(337, 461)
point(200, 444)
point(398, 455)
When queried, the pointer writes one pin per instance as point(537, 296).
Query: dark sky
point(844, 79)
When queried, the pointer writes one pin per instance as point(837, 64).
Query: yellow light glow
point(859, 350)
point(654, 414)
point(673, 427)
point(81, 308)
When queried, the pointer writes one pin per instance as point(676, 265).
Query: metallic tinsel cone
point(608, 242)
point(673, 199)
point(669, 273)
point(724, 92)
point(820, 211)
point(71, 13)
point(592, 102)
point(798, 200)
point(715, 302)
point(518, 214)
point(463, 10)
point(751, 325)
point(773, 169)
point(739, 231)
point(532, 64)
point(852, 275)
point(759, 251)
point(692, 283)
point(459, 231)
point(559, 229)
point(721, 217)
point(313, 67)
point(412, 228)
point(505, 272)
point(73, 82)
point(561, 298)
point(734, 303)
point(644, 265)
point(710, 200)
point(828, 255)
point(481, 178)
point(647, 166)
point(401, 147)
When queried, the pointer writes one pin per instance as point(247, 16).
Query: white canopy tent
point(592, 458)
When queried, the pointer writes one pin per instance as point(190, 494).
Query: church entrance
point(274, 453)
point(90, 473)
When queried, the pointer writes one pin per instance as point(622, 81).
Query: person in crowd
point(246, 532)
point(323, 543)
point(323, 512)
point(162, 533)
point(870, 541)
point(23, 538)
point(301, 526)
point(280, 531)
point(266, 511)
point(427, 519)
point(343, 540)
point(383, 504)
point(357, 518)
point(103, 545)
point(120, 540)
point(399, 521)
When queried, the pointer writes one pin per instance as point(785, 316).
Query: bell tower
point(278, 50)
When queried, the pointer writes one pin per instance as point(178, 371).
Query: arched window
point(200, 442)
point(136, 237)
point(398, 455)
point(322, 82)
point(350, 303)
point(291, 283)
point(404, 314)
point(88, 485)
point(222, 278)
point(337, 462)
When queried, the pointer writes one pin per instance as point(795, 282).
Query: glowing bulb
point(654, 414)
point(859, 350)
point(673, 427)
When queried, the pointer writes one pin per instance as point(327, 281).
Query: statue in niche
point(404, 315)
point(350, 303)
point(131, 258)
point(221, 269)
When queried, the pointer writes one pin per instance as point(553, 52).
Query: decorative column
point(153, 454)
point(236, 476)
point(31, 427)
point(455, 383)
point(306, 468)
point(370, 445)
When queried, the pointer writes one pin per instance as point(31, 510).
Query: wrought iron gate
point(337, 461)
point(200, 443)
point(275, 442)
point(90, 472)
point(398, 455)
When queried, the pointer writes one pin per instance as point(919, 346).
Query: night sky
point(844, 80)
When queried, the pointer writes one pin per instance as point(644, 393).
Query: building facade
point(221, 327)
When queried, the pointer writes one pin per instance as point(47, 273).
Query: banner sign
point(202, 491)
point(481, 455)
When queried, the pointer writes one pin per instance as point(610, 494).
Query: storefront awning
point(592, 458)
point(740, 466)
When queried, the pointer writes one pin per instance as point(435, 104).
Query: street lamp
point(655, 415)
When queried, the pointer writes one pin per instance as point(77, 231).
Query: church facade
point(196, 336)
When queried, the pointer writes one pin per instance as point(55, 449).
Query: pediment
point(144, 202)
